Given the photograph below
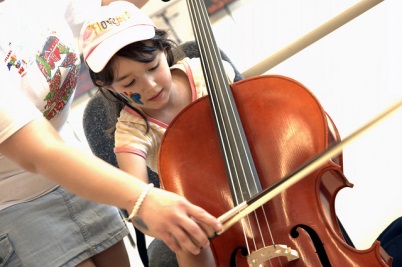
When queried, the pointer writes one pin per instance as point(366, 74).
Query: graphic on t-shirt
point(59, 66)
point(13, 61)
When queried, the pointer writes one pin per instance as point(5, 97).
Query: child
point(132, 62)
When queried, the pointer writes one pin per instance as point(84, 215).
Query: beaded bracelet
point(140, 200)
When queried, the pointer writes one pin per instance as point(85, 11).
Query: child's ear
point(101, 84)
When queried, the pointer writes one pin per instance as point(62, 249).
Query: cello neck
point(243, 178)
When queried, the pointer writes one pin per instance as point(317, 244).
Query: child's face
point(144, 85)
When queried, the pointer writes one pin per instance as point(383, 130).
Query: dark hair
point(142, 51)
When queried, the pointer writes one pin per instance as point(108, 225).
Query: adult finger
point(183, 240)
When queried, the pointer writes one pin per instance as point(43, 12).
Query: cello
point(243, 138)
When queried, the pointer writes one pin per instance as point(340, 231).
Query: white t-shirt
point(39, 69)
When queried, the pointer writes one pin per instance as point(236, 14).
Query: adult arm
point(38, 148)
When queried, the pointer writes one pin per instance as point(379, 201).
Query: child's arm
point(133, 164)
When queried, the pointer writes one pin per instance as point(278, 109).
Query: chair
point(96, 124)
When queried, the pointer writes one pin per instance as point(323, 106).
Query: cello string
point(199, 31)
point(214, 54)
point(221, 74)
point(216, 108)
point(221, 84)
point(227, 91)
point(223, 88)
point(228, 150)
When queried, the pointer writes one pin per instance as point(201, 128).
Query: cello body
point(285, 126)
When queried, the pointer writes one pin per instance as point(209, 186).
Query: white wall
point(355, 72)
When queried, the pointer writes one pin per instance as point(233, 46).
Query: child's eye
point(154, 67)
point(129, 84)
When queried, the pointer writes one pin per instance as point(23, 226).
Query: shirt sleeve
point(16, 110)
point(130, 135)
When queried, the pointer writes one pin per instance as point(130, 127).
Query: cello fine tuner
point(264, 254)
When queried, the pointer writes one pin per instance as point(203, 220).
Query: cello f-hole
point(318, 245)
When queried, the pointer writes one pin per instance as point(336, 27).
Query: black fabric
point(142, 247)
point(345, 234)
point(391, 241)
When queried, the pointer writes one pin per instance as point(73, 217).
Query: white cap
point(113, 27)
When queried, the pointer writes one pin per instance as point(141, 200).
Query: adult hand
point(171, 218)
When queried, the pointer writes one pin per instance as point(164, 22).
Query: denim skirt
point(57, 229)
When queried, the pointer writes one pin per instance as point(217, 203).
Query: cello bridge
point(264, 254)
